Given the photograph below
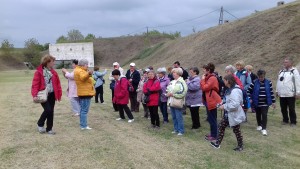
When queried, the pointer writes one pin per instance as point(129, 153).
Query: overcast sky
point(46, 20)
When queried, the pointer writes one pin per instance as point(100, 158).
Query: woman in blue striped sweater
point(261, 96)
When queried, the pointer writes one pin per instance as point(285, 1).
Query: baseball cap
point(115, 64)
point(132, 64)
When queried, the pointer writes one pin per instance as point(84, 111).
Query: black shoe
point(215, 145)
point(238, 148)
point(284, 123)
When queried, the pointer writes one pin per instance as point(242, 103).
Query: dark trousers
point(164, 110)
point(133, 101)
point(48, 113)
point(212, 119)
point(122, 108)
point(285, 103)
point(236, 129)
point(195, 117)
point(262, 116)
point(99, 91)
point(146, 110)
point(114, 104)
point(154, 115)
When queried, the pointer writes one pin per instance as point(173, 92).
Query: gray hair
point(83, 62)
point(178, 71)
point(162, 70)
point(230, 68)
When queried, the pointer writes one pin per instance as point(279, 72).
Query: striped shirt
point(262, 98)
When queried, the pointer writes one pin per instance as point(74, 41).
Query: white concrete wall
point(70, 51)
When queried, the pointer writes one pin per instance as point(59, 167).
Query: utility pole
point(221, 16)
point(147, 30)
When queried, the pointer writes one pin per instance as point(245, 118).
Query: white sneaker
point(130, 121)
point(41, 129)
point(174, 132)
point(264, 132)
point(258, 128)
point(118, 119)
point(179, 134)
point(86, 128)
point(76, 114)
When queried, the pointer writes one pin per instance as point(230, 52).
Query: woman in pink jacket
point(121, 95)
point(72, 89)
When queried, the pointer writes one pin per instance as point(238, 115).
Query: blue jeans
point(212, 119)
point(84, 109)
point(164, 110)
point(177, 119)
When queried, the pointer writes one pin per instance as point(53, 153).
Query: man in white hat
point(134, 78)
point(116, 65)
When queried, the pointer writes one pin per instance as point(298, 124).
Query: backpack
point(221, 85)
point(246, 100)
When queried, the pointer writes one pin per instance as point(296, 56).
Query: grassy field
point(114, 144)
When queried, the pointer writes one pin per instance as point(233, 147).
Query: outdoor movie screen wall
point(70, 51)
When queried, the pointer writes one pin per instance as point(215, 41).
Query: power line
point(189, 20)
point(231, 14)
point(138, 30)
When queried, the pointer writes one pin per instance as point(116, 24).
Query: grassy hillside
point(123, 49)
point(262, 39)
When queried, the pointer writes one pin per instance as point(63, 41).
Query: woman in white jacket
point(234, 114)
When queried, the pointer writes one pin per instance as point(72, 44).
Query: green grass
point(114, 144)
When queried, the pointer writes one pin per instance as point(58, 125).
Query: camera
point(281, 78)
point(219, 105)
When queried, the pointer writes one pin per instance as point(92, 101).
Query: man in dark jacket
point(134, 78)
point(185, 74)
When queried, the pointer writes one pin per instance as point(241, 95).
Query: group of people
point(177, 89)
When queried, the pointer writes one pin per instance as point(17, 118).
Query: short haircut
point(195, 69)
point(116, 72)
point(46, 59)
point(162, 70)
point(249, 67)
point(75, 61)
point(151, 71)
point(178, 71)
point(230, 68)
point(177, 63)
point(210, 67)
point(261, 72)
point(231, 80)
point(240, 63)
point(96, 68)
point(83, 62)
point(289, 59)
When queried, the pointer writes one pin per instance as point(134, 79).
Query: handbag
point(42, 96)
point(146, 99)
point(176, 103)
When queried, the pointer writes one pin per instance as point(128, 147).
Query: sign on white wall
point(70, 51)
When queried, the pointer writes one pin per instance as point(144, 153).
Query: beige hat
point(132, 64)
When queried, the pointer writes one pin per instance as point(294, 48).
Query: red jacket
point(154, 87)
point(210, 87)
point(38, 83)
point(121, 94)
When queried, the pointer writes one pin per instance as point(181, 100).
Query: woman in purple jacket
point(164, 82)
point(194, 96)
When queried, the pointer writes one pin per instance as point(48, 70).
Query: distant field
point(114, 144)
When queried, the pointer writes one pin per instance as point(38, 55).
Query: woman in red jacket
point(46, 76)
point(210, 87)
point(121, 95)
point(151, 88)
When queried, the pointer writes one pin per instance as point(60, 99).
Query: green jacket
point(178, 88)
